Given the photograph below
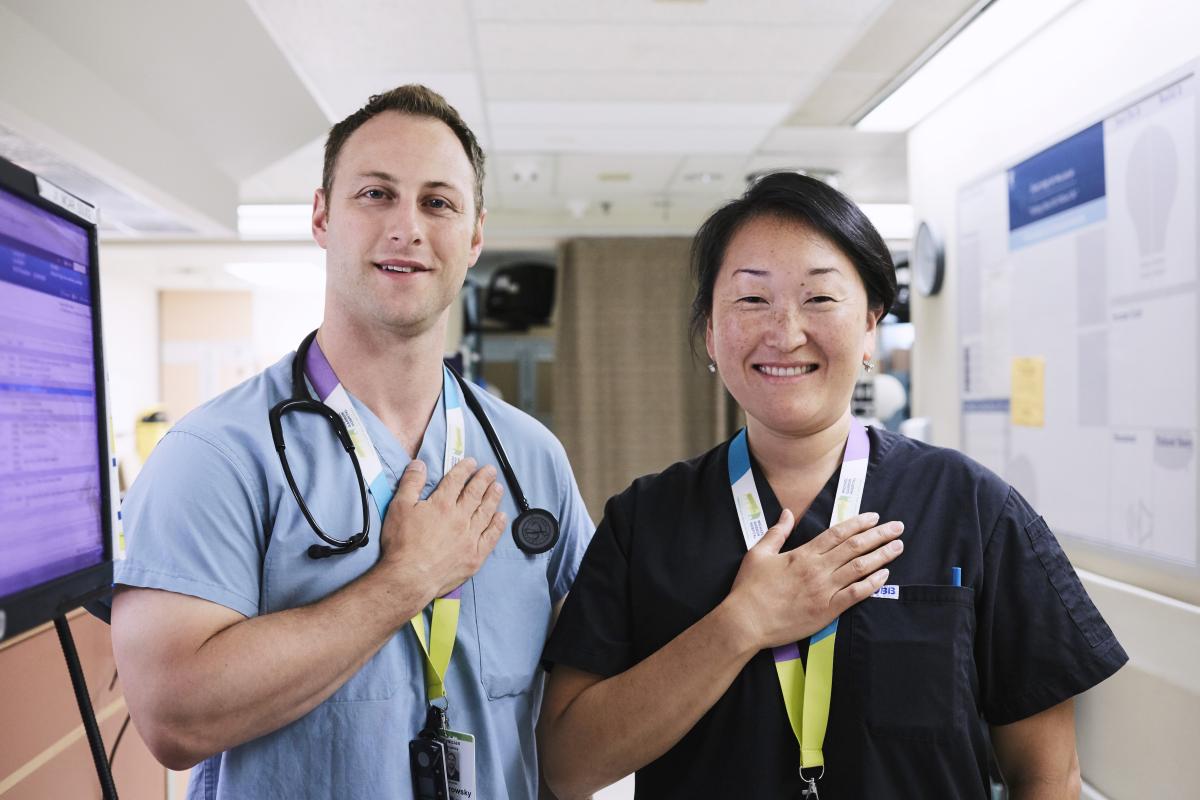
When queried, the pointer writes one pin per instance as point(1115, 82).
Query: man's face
point(399, 226)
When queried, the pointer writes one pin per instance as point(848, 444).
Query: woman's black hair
point(809, 202)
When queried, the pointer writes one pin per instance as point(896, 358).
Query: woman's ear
point(708, 340)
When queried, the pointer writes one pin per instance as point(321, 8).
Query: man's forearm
point(256, 675)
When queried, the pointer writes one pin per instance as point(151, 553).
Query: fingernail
point(416, 463)
point(896, 546)
point(884, 576)
point(898, 527)
point(871, 517)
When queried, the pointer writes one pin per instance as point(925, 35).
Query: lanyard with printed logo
point(443, 627)
point(807, 701)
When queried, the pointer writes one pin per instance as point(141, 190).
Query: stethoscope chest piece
point(535, 530)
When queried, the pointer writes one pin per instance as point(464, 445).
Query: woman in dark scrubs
point(825, 656)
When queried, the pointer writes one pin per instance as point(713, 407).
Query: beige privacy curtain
point(629, 398)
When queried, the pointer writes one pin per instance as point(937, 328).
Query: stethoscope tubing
point(302, 401)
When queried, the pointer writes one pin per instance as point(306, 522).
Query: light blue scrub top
point(195, 523)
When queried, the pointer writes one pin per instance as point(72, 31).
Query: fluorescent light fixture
point(299, 276)
point(994, 32)
point(263, 221)
point(892, 220)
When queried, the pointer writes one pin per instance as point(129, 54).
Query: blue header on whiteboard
point(1057, 190)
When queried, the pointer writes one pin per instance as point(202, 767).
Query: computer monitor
point(55, 467)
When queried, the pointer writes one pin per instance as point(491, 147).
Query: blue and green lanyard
point(806, 701)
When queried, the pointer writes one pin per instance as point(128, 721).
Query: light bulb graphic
point(1151, 180)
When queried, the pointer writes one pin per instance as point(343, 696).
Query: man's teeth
point(787, 372)
point(391, 268)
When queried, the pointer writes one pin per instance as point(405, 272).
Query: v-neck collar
point(815, 519)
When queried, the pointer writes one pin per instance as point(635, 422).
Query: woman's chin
point(796, 423)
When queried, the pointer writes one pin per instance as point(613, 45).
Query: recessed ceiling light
point(614, 177)
point(703, 177)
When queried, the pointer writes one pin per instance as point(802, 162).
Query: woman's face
point(789, 326)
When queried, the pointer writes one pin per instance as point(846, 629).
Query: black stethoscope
point(535, 530)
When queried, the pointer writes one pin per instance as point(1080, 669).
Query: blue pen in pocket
point(956, 576)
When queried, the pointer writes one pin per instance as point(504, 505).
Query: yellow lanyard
point(443, 628)
point(807, 702)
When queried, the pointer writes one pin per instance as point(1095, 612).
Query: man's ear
point(320, 218)
point(477, 238)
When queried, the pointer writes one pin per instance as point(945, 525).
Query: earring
point(868, 365)
point(712, 368)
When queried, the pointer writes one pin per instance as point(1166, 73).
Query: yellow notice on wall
point(1028, 405)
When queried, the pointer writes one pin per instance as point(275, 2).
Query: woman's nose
point(788, 331)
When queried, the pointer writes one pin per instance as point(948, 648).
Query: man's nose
point(405, 223)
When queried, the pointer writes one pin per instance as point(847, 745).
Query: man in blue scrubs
point(277, 674)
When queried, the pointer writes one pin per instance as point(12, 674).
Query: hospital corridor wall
point(1138, 731)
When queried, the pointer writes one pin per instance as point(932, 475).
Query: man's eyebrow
point(383, 176)
point(442, 185)
point(758, 273)
point(387, 177)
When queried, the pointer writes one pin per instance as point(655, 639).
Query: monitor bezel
point(43, 602)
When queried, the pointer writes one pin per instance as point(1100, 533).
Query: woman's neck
point(398, 377)
point(798, 465)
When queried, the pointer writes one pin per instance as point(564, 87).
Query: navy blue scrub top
point(916, 680)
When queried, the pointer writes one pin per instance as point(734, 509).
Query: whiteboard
point(1078, 337)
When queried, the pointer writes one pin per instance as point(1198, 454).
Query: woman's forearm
point(619, 724)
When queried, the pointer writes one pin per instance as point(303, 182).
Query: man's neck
point(797, 465)
point(397, 376)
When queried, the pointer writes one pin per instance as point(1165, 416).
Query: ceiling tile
point(630, 86)
point(670, 141)
point(810, 49)
point(707, 12)
point(523, 175)
point(344, 57)
point(635, 115)
point(720, 176)
point(615, 175)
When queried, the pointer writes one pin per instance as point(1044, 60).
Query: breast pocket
point(512, 612)
point(913, 659)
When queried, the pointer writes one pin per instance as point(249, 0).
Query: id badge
point(460, 763)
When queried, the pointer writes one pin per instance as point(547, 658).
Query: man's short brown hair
point(419, 101)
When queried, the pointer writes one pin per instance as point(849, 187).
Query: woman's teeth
point(786, 372)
